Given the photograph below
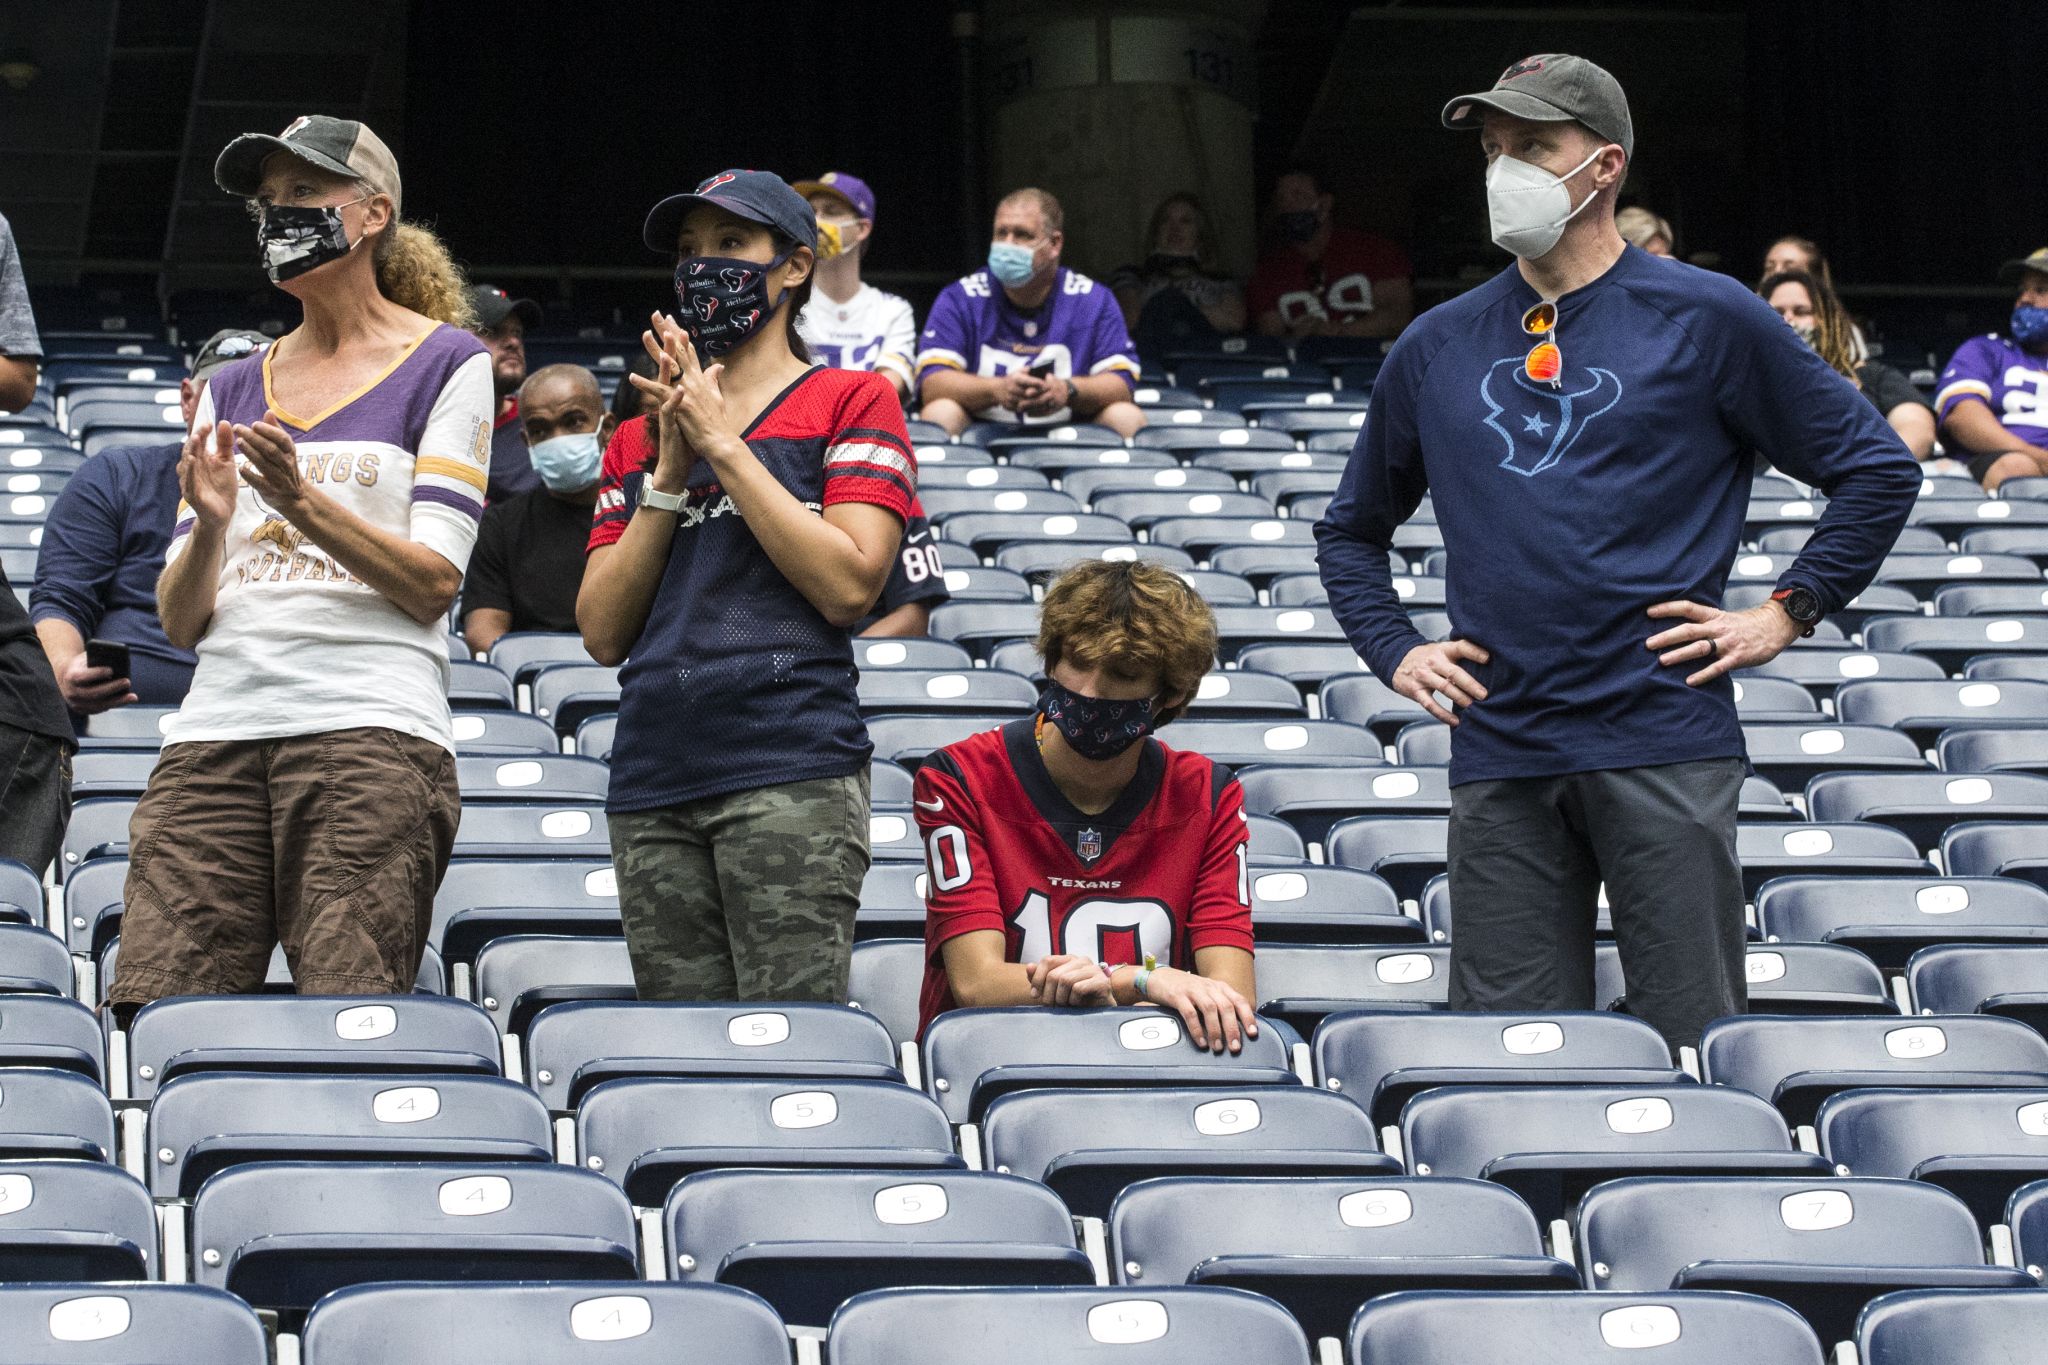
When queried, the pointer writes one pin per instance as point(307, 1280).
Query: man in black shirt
point(35, 742)
point(528, 561)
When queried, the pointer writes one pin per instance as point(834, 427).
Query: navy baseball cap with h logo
point(757, 196)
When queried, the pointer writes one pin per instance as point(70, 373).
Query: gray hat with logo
point(224, 348)
point(340, 146)
point(1548, 88)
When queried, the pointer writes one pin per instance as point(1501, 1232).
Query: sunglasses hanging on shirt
point(1544, 363)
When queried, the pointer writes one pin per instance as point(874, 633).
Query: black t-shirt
point(29, 699)
point(919, 576)
point(1886, 388)
point(528, 560)
point(512, 471)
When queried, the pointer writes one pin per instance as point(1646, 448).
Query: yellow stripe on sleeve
point(460, 470)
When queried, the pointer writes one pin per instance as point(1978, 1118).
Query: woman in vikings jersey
point(1072, 859)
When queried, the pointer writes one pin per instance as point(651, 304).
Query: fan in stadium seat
point(129, 1324)
point(1177, 299)
point(1979, 1145)
point(1321, 279)
point(74, 1220)
point(806, 1241)
point(1152, 1326)
point(1783, 978)
point(1550, 1144)
point(1912, 1326)
point(976, 361)
point(1823, 1247)
point(1089, 1145)
point(1796, 1063)
point(572, 1324)
point(1986, 369)
point(1692, 1328)
point(647, 1133)
point(1322, 1246)
point(280, 1235)
point(2006, 979)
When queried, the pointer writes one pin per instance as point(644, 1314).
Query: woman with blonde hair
point(331, 492)
point(1641, 228)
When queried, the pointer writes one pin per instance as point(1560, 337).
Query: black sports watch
point(1802, 605)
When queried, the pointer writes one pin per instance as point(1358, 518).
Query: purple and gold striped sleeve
point(452, 466)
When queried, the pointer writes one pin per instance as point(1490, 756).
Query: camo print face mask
point(723, 300)
point(295, 240)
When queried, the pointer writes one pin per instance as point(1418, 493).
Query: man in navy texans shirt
point(1586, 422)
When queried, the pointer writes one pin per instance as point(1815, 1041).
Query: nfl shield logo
point(1089, 845)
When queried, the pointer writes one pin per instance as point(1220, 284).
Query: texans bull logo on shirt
point(1539, 422)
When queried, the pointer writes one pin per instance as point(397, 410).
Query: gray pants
point(35, 796)
point(1527, 857)
point(746, 896)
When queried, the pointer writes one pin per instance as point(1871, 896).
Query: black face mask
point(1299, 227)
point(296, 240)
point(1094, 727)
point(722, 300)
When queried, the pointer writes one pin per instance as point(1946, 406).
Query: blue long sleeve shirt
point(1569, 511)
point(103, 547)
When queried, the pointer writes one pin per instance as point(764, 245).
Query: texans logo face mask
point(723, 300)
point(1094, 727)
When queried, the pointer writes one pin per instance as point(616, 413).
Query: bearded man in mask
point(1320, 279)
point(1585, 423)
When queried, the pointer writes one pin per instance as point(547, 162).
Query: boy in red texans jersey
point(1067, 851)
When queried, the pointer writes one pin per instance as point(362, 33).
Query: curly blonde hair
point(414, 270)
point(1131, 617)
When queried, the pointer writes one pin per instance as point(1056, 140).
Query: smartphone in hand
point(108, 654)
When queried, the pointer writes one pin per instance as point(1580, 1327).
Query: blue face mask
point(2029, 325)
point(567, 464)
point(1011, 264)
point(1093, 727)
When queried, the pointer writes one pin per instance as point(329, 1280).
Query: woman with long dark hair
point(1812, 309)
point(741, 529)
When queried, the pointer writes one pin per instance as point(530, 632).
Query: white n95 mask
point(1527, 207)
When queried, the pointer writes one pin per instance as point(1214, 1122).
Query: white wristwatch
point(650, 496)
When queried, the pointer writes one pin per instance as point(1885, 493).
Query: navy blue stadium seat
point(1088, 1145)
point(45, 1112)
point(1262, 563)
point(1244, 461)
point(111, 772)
point(806, 1241)
point(2005, 979)
point(1363, 699)
point(1952, 641)
point(891, 900)
point(1796, 1063)
point(1848, 849)
point(1312, 799)
point(1891, 918)
point(893, 836)
point(889, 784)
point(98, 829)
point(203, 1124)
point(1006, 436)
point(1316, 903)
point(1407, 850)
point(1322, 1246)
point(1424, 743)
point(33, 961)
point(519, 975)
point(1994, 849)
point(1144, 510)
point(913, 691)
point(1968, 512)
point(1302, 983)
point(2026, 1216)
point(44, 1030)
point(1923, 805)
point(1273, 841)
point(1821, 671)
point(503, 732)
point(1104, 480)
point(1550, 1144)
point(432, 978)
point(1381, 1060)
point(128, 1324)
point(2008, 667)
point(483, 898)
point(944, 475)
point(1774, 699)
point(536, 829)
point(1154, 1326)
point(1979, 1145)
point(885, 979)
point(985, 583)
point(417, 1034)
point(914, 652)
point(1692, 1328)
point(1058, 460)
point(1916, 1326)
point(283, 1234)
point(1822, 1247)
point(1783, 978)
point(571, 1324)
point(974, 1055)
point(574, 1047)
point(647, 1133)
point(74, 1220)
point(1792, 755)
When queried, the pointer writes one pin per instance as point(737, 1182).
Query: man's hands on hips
point(1723, 640)
point(1433, 668)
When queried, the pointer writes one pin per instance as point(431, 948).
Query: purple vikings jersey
point(1078, 330)
point(2008, 380)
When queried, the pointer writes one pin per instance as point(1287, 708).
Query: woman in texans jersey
point(1067, 851)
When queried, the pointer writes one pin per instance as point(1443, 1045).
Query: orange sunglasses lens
point(1540, 319)
point(1544, 364)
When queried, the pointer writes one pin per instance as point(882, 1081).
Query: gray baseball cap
point(1549, 87)
point(224, 348)
point(338, 145)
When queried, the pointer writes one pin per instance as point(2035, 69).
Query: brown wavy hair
point(1834, 335)
point(1132, 618)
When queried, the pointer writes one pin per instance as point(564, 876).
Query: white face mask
point(1527, 207)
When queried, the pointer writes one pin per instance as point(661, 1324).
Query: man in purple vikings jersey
point(1025, 340)
point(1993, 399)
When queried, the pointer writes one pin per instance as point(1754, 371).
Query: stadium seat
point(2009, 600)
point(33, 961)
point(1923, 805)
point(111, 772)
point(44, 1030)
point(1184, 1326)
point(1822, 1247)
point(2008, 667)
point(1692, 1328)
point(1381, 1060)
point(1954, 518)
point(1791, 755)
point(1888, 919)
point(1992, 849)
point(1238, 695)
point(1424, 743)
point(503, 732)
point(1160, 396)
point(45, 1112)
point(1847, 849)
point(432, 978)
point(474, 686)
point(1274, 841)
point(1989, 751)
point(953, 476)
point(128, 1324)
point(1407, 850)
point(986, 532)
point(1363, 699)
point(574, 1047)
point(889, 784)
point(519, 975)
point(484, 898)
point(535, 829)
point(913, 691)
point(885, 980)
point(596, 736)
point(944, 503)
point(1796, 1063)
point(2026, 1217)
point(1783, 978)
point(204, 1124)
point(1313, 799)
point(915, 652)
point(1550, 1144)
point(1914, 1327)
point(891, 900)
point(1060, 460)
point(1435, 905)
point(533, 778)
point(893, 836)
point(74, 1220)
point(519, 654)
point(566, 695)
point(1302, 983)
point(1316, 903)
point(1202, 537)
point(2005, 979)
point(1088, 1145)
point(984, 583)
point(1262, 563)
point(1979, 1145)
point(974, 1055)
point(1002, 437)
point(1774, 699)
point(1757, 799)
point(1328, 452)
point(98, 829)
point(981, 626)
point(647, 1133)
point(1952, 641)
point(565, 1324)
point(416, 1034)
point(1238, 743)
point(1040, 561)
point(806, 1241)
point(1146, 510)
point(1104, 480)
point(1923, 574)
point(1322, 1246)
point(1821, 671)
point(281, 1235)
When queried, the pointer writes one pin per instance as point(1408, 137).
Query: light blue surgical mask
point(1011, 264)
point(567, 464)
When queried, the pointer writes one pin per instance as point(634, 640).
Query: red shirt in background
point(1339, 286)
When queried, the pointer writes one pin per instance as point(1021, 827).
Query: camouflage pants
point(746, 896)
